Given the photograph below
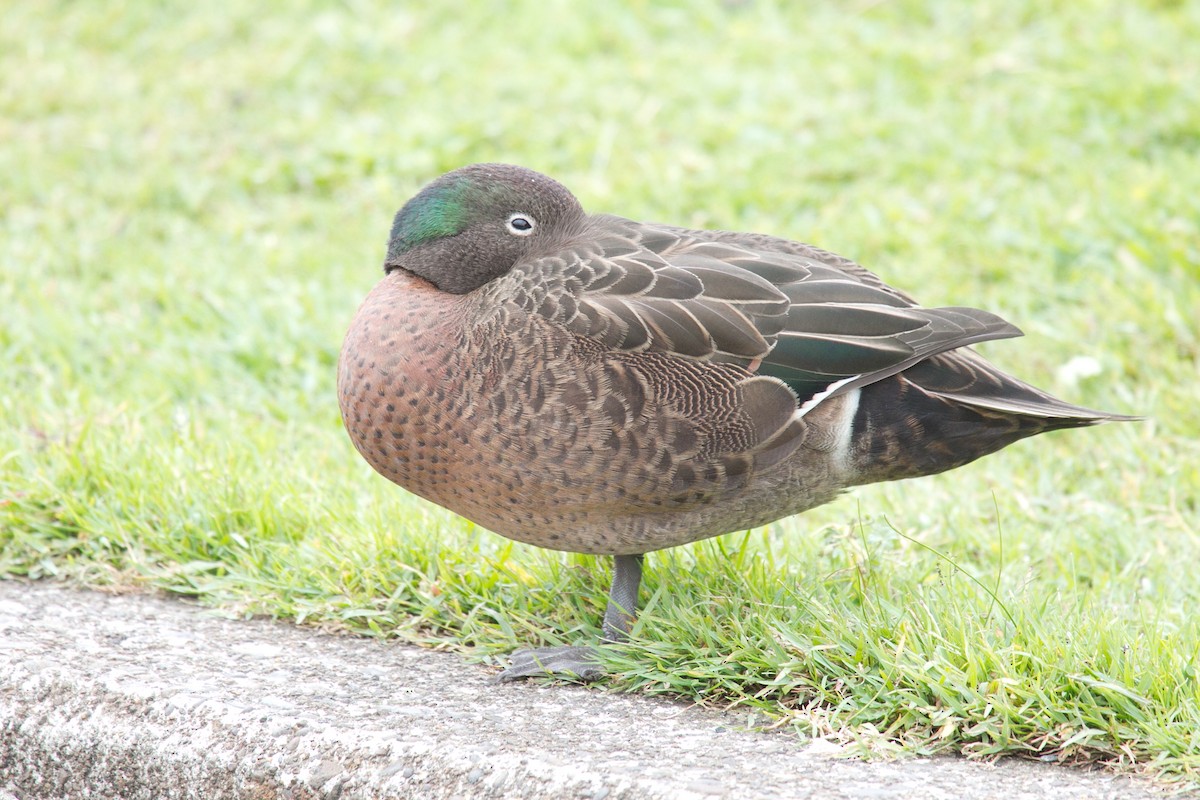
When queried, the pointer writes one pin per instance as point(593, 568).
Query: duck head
point(474, 224)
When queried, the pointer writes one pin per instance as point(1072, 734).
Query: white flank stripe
point(819, 397)
point(845, 428)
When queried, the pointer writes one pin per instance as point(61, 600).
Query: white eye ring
point(521, 224)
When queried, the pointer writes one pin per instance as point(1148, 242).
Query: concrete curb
point(148, 697)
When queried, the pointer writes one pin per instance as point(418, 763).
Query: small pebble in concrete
point(325, 771)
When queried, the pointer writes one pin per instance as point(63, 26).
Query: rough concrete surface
point(148, 697)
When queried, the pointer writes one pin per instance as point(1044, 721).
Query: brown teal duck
point(588, 383)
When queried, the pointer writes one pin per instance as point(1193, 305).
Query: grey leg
point(582, 662)
point(622, 598)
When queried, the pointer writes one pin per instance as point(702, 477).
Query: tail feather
point(949, 410)
point(965, 377)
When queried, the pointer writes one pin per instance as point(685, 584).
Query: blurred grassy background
point(195, 198)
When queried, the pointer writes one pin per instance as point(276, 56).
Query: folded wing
point(819, 323)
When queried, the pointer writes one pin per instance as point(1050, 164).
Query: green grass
point(195, 198)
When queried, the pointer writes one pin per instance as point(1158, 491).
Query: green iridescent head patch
point(438, 210)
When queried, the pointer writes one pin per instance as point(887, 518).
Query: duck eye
point(521, 224)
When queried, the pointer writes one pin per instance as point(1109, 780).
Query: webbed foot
point(583, 662)
point(579, 663)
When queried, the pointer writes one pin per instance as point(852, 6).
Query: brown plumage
point(593, 384)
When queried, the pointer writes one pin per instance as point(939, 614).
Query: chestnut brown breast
point(541, 435)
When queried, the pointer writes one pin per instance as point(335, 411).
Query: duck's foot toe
point(571, 663)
